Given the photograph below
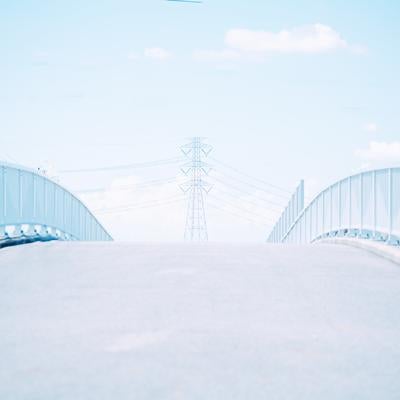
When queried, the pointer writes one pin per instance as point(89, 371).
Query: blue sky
point(109, 82)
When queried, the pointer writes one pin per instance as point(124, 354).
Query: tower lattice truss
point(196, 188)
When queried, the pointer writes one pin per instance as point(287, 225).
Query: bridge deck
point(122, 321)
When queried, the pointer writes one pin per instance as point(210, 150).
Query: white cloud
point(371, 127)
point(216, 55)
point(157, 53)
point(133, 56)
point(252, 45)
point(41, 55)
point(316, 38)
point(379, 154)
point(41, 58)
point(359, 49)
point(131, 208)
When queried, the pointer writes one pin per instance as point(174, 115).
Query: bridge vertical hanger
point(365, 206)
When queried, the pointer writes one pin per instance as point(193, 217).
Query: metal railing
point(33, 207)
point(289, 215)
point(366, 205)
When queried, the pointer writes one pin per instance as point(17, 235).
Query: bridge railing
point(365, 205)
point(289, 215)
point(34, 204)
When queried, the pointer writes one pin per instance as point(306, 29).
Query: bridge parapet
point(289, 215)
point(366, 205)
point(40, 209)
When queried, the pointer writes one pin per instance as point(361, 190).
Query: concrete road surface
point(82, 321)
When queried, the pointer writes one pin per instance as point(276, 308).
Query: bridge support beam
point(3, 233)
point(17, 232)
point(30, 230)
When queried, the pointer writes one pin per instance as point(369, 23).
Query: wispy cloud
point(157, 53)
point(132, 208)
point(371, 127)
point(129, 203)
point(133, 56)
point(379, 154)
point(316, 38)
point(41, 58)
point(216, 55)
point(308, 39)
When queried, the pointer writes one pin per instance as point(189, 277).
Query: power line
point(246, 200)
point(7, 157)
point(284, 190)
point(243, 209)
point(235, 214)
point(145, 204)
point(245, 191)
point(253, 186)
point(124, 166)
point(275, 207)
point(124, 210)
point(132, 186)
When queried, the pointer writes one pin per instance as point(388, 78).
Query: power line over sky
point(306, 91)
point(235, 194)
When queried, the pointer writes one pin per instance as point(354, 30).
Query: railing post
point(340, 205)
point(361, 203)
point(331, 210)
point(301, 230)
point(350, 203)
point(34, 195)
point(3, 188)
point(55, 205)
point(278, 231)
point(281, 230)
point(19, 194)
point(44, 197)
point(374, 201)
point(3, 232)
point(64, 213)
point(301, 197)
point(323, 212)
point(390, 204)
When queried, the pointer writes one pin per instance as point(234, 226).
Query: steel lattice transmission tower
point(196, 188)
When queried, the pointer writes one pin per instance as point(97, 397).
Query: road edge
point(391, 253)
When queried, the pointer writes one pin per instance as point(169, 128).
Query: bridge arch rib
point(40, 209)
point(365, 205)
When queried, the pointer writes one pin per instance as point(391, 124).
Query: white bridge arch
point(34, 207)
point(365, 205)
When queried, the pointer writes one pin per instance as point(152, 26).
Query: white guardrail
point(366, 205)
point(33, 207)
